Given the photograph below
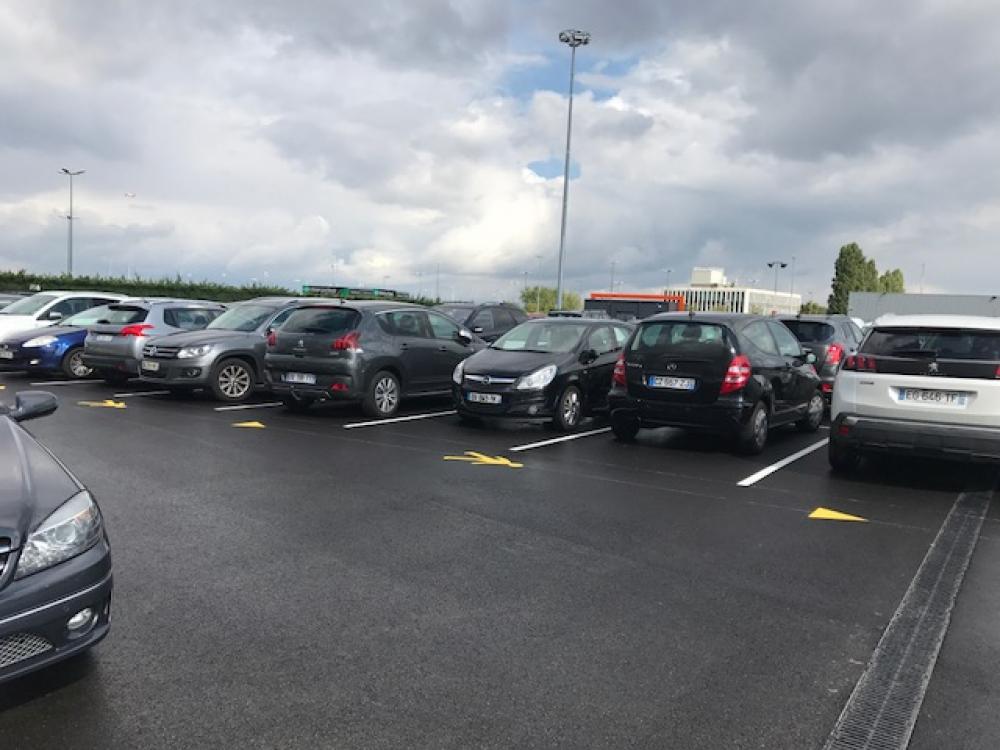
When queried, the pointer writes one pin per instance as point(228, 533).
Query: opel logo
point(486, 380)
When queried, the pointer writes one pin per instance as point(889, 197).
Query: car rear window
point(455, 312)
point(123, 315)
point(678, 335)
point(935, 343)
point(189, 318)
point(322, 320)
point(810, 331)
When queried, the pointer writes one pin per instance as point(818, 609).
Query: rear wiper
point(309, 329)
point(915, 352)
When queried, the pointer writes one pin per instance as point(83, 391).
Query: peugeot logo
point(301, 343)
point(932, 368)
point(671, 365)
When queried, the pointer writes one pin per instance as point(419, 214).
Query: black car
point(830, 337)
point(372, 352)
point(489, 321)
point(55, 562)
point(555, 369)
point(729, 374)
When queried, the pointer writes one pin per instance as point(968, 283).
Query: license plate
point(485, 398)
point(102, 338)
point(676, 384)
point(305, 378)
point(150, 366)
point(925, 396)
point(5, 354)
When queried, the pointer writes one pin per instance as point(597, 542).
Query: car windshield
point(88, 317)
point(810, 331)
point(455, 312)
point(244, 317)
point(936, 343)
point(660, 336)
point(29, 305)
point(547, 338)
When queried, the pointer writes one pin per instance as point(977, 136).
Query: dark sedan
point(55, 562)
point(556, 369)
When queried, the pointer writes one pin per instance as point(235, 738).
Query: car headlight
point(194, 351)
point(538, 379)
point(459, 373)
point(74, 527)
point(39, 341)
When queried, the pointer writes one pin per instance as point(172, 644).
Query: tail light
point(272, 338)
point(826, 387)
point(834, 354)
point(135, 329)
point(997, 373)
point(618, 376)
point(737, 375)
point(349, 342)
point(338, 387)
point(860, 363)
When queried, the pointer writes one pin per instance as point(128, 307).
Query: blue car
point(52, 349)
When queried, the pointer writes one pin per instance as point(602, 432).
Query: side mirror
point(33, 404)
point(54, 315)
point(587, 356)
point(464, 336)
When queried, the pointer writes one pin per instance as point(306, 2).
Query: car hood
point(19, 337)
point(512, 363)
point(18, 323)
point(32, 483)
point(205, 336)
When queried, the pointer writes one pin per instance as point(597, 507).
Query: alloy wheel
point(760, 428)
point(816, 407)
point(571, 407)
point(386, 395)
point(77, 367)
point(234, 381)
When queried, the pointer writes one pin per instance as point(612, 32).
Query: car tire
point(843, 460)
point(113, 377)
point(381, 401)
point(814, 414)
point(624, 427)
point(72, 364)
point(232, 381)
point(569, 409)
point(296, 404)
point(753, 435)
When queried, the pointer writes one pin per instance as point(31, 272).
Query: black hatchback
point(371, 352)
point(728, 374)
point(832, 338)
point(556, 369)
point(489, 320)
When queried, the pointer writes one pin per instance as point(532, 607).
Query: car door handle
point(403, 345)
point(442, 348)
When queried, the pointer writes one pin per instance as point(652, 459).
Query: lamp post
point(669, 271)
point(69, 218)
point(538, 285)
point(574, 39)
point(792, 287)
point(613, 275)
point(777, 265)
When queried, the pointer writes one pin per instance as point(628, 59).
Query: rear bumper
point(871, 434)
point(723, 417)
point(106, 362)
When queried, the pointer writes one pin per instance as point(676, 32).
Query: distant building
point(870, 305)
point(711, 291)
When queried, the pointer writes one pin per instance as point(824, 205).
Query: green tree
point(891, 282)
point(812, 308)
point(852, 273)
point(543, 298)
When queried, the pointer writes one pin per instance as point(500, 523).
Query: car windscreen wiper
point(915, 352)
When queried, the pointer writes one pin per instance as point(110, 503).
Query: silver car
point(113, 347)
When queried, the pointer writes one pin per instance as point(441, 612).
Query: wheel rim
point(760, 427)
point(816, 409)
point(234, 381)
point(571, 407)
point(386, 395)
point(77, 367)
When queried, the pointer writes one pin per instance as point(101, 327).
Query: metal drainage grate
point(21, 646)
point(885, 704)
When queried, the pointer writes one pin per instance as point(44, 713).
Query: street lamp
point(538, 285)
point(574, 39)
point(69, 241)
point(613, 275)
point(669, 271)
point(777, 265)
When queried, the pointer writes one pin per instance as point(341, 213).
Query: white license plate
point(102, 338)
point(485, 398)
point(925, 396)
point(305, 378)
point(676, 384)
point(149, 366)
point(5, 354)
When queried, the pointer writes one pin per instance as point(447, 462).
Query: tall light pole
point(669, 271)
point(777, 265)
point(574, 39)
point(538, 286)
point(792, 288)
point(69, 218)
point(613, 275)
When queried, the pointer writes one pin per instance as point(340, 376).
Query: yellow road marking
point(106, 404)
point(826, 514)
point(253, 425)
point(480, 459)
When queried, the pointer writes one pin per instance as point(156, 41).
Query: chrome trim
point(490, 379)
point(57, 603)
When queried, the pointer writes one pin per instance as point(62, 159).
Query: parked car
point(227, 357)
point(113, 347)
point(729, 374)
point(54, 349)
point(48, 308)
point(588, 314)
point(371, 352)
point(555, 369)
point(55, 560)
point(7, 298)
point(920, 384)
point(489, 321)
point(830, 337)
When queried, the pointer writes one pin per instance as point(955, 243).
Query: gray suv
point(226, 358)
point(113, 347)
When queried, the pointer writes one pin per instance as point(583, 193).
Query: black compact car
point(555, 369)
point(489, 321)
point(729, 374)
point(372, 352)
point(830, 337)
point(55, 562)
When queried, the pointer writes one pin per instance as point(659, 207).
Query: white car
point(48, 308)
point(919, 384)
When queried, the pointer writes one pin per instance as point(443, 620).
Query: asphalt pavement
point(317, 580)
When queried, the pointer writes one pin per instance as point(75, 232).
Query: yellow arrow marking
point(255, 425)
point(479, 459)
point(106, 404)
point(825, 514)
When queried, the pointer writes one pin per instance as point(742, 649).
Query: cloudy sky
point(373, 143)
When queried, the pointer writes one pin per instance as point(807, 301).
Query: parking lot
point(324, 580)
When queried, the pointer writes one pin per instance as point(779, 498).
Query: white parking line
point(563, 439)
point(240, 407)
point(59, 382)
point(140, 393)
point(769, 470)
point(408, 418)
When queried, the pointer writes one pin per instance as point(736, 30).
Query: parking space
point(326, 580)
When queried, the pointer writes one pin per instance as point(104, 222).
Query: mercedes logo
point(671, 366)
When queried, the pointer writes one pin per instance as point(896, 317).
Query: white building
point(710, 291)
